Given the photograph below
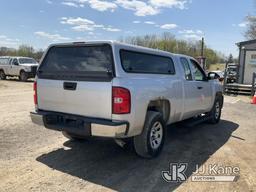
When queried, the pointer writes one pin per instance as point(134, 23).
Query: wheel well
point(163, 106)
point(22, 70)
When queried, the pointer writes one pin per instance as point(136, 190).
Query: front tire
point(2, 75)
point(150, 142)
point(23, 76)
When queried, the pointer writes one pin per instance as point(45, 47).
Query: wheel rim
point(217, 110)
point(156, 135)
point(23, 76)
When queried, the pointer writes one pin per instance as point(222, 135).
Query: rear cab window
point(139, 62)
point(78, 62)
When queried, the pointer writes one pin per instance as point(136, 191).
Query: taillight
point(35, 93)
point(121, 100)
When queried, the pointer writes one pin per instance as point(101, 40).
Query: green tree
point(23, 51)
point(168, 42)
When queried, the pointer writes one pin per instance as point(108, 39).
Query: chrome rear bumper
point(78, 125)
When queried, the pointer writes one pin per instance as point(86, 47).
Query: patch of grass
point(217, 67)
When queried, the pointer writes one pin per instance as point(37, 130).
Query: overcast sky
point(41, 22)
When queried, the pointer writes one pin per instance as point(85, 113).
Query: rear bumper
point(79, 125)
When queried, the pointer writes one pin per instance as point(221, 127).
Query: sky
point(42, 22)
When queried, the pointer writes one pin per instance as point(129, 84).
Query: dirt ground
point(36, 159)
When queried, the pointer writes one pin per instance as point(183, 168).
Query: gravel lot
point(35, 159)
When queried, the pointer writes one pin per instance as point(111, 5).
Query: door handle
point(199, 87)
point(69, 86)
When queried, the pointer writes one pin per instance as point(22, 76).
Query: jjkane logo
point(211, 172)
point(176, 173)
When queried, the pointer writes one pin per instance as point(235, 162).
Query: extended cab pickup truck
point(22, 67)
point(125, 92)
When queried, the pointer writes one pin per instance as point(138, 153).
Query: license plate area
point(66, 121)
point(69, 123)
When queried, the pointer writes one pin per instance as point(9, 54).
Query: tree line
point(168, 42)
point(22, 50)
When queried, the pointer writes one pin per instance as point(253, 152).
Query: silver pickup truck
point(22, 67)
point(125, 92)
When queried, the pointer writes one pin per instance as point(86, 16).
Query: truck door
point(14, 69)
point(7, 67)
point(202, 88)
point(191, 95)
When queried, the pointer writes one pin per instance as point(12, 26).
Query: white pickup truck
point(22, 67)
point(110, 89)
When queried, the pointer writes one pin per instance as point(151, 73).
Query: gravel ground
point(35, 159)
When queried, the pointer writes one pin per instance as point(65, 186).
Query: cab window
point(185, 65)
point(15, 62)
point(138, 62)
point(198, 72)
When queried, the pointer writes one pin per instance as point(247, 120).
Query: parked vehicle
point(22, 67)
point(232, 72)
point(115, 90)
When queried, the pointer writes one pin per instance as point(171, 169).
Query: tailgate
point(91, 99)
point(77, 80)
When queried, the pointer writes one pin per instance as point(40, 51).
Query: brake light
point(121, 100)
point(35, 93)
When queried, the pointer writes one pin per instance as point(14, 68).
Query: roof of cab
point(24, 57)
point(113, 42)
point(124, 45)
point(8, 57)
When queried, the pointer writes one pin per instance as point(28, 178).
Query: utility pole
point(202, 47)
point(202, 59)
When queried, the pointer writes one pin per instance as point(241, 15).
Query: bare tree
point(250, 33)
point(230, 58)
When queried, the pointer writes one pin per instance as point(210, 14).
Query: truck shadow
point(102, 162)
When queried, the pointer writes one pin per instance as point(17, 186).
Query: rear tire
point(2, 75)
point(23, 76)
point(150, 142)
point(71, 136)
point(215, 112)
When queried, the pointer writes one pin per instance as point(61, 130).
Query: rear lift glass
point(78, 62)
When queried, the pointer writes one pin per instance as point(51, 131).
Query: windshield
point(27, 61)
point(232, 69)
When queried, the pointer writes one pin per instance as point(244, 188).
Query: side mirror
point(211, 76)
point(15, 63)
point(221, 79)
